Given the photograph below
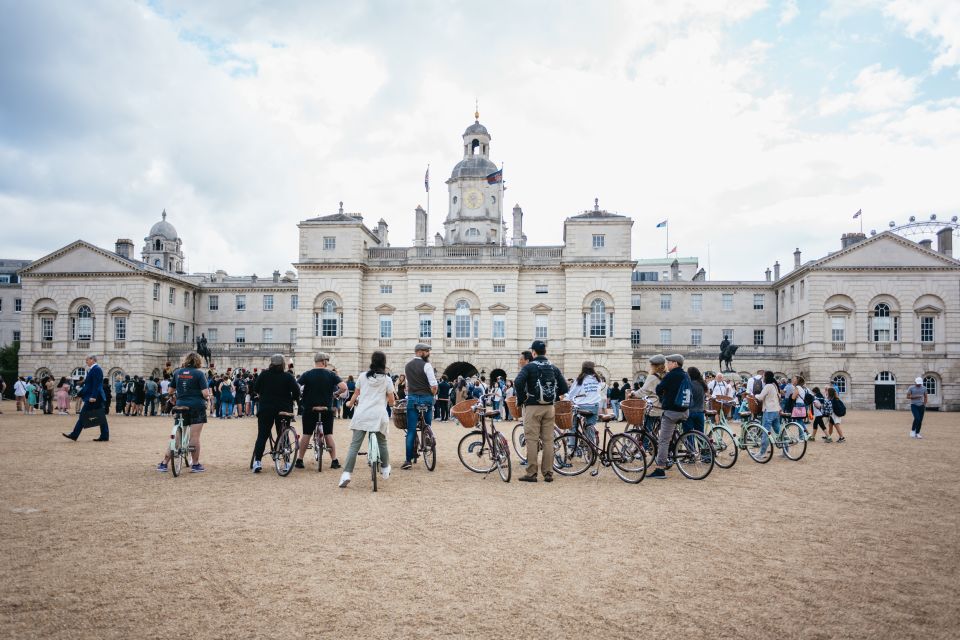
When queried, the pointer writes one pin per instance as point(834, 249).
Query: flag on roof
point(662, 224)
point(426, 179)
point(495, 177)
point(674, 250)
point(858, 213)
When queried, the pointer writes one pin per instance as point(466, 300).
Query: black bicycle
point(283, 448)
point(484, 449)
point(574, 452)
point(426, 442)
point(317, 441)
point(691, 451)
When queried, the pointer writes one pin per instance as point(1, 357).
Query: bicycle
point(317, 441)
point(574, 453)
point(482, 450)
point(283, 449)
point(179, 441)
point(518, 437)
point(720, 435)
point(373, 458)
point(691, 451)
point(791, 439)
point(425, 443)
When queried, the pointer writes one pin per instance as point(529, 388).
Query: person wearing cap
point(277, 390)
point(538, 417)
point(917, 395)
point(421, 384)
point(320, 386)
point(673, 413)
point(649, 390)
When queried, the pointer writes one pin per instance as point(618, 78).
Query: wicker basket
point(563, 414)
point(516, 410)
point(399, 415)
point(754, 405)
point(464, 413)
point(634, 409)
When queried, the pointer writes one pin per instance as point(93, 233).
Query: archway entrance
point(457, 369)
point(498, 373)
point(885, 391)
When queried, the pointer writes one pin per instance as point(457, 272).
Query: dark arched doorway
point(497, 373)
point(457, 369)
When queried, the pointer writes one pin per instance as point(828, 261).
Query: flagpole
point(667, 227)
point(861, 220)
point(427, 231)
point(500, 230)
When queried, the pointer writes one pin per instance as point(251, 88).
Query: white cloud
point(876, 89)
point(788, 12)
point(939, 19)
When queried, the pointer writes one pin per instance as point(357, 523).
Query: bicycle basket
point(399, 415)
point(516, 410)
point(464, 413)
point(634, 410)
point(754, 405)
point(563, 414)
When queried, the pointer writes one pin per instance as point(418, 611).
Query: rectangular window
point(16, 335)
point(1, 304)
point(426, 288)
point(882, 329)
point(171, 294)
point(268, 302)
point(386, 327)
point(156, 291)
point(293, 335)
point(540, 326)
point(499, 326)
point(4, 278)
point(666, 336)
point(156, 331)
point(696, 302)
point(267, 335)
point(758, 337)
point(186, 299)
point(635, 338)
point(171, 328)
point(241, 303)
point(838, 329)
point(186, 333)
point(635, 301)
point(462, 324)
point(727, 333)
point(294, 302)
point(329, 324)
point(120, 328)
point(696, 337)
point(926, 329)
point(213, 303)
point(598, 240)
point(758, 302)
point(802, 331)
point(426, 325)
point(46, 329)
point(17, 305)
point(666, 301)
point(499, 288)
point(386, 288)
point(727, 301)
point(802, 288)
point(329, 243)
point(541, 288)
point(792, 287)
point(211, 335)
point(240, 336)
point(449, 326)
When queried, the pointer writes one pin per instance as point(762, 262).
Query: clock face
point(473, 199)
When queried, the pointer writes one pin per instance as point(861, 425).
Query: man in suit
point(93, 399)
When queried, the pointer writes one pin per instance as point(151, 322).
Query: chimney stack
point(850, 239)
point(276, 275)
point(124, 247)
point(382, 232)
point(776, 270)
point(926, 243)
point(253, 278)
point(945, 241)
point(518, 240)
point(796, 258)
point(675, 270)
point(768, 274)
point(420, 238)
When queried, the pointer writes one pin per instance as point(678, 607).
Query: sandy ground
point(858, 540)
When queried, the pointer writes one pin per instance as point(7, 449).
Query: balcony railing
point(465, 253)
point(328, 342)
point(839, 346)
point(928, 346)
point(178, 349)
point(882, 347)
point(386, 342)
point(46, 344)
point(712, 352)
point(499, 343)
point(119, 344)
point(461, 344)
point(82, 344)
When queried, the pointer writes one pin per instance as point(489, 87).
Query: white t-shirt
point(370, 413)
point(19, 388)
point(720, 388)
point(164, 385)
point(586, 392)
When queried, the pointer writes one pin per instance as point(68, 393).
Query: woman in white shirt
point(373, 392)
point(585, 394)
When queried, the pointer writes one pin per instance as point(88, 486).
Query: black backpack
point(839, 409)
point(543, 388)
point(757, 386)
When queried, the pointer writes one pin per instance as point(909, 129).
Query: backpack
point(684, 394)
point(544, 387)
point(839, 409)
point(808, 398)
point(757, 386)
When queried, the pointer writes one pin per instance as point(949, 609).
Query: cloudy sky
point(754, 127)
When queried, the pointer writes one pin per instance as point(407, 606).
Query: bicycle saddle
point(317, 409)
point(285, 414)
point(180, 409)
point(605, 417)
point(584, 412)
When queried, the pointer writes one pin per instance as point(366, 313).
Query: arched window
point(473, 232)
point(930, 384)
point(885, 377)
point(78, 373)
point(885, 324)
point(598, 319)
point(83, 324)
point(840, 383)
point(461, 323)
point(157, 263)
point(329, 319)
point(156, 245)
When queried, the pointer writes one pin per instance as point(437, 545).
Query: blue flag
point(662, 224)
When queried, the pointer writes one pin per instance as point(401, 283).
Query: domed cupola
point(162, 246)
point(475, 188)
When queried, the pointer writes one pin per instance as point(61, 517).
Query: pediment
point(839, 308)
point(425, 306)
point(928, 309)
point(81, 257)
point(886, 250)
point(385, 308)
point(498, 307)
point(46, 311)
point(541, 308)
point(119, 310)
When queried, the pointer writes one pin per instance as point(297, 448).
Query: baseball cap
point(538, 345)
point(919, 380)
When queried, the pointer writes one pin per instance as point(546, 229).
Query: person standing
point(374, 391)
point(107, 396)
point(587, 395)
point(917, 395)
point(769, 399)
point(63, 396)
point(20, 393)
point(277, 390)
point(657, 370)
point(698, 391)
point(674, 392)
point(320, 388)
point(443, 398)
point(150, 390)
point(191, 391)
point(421, 386)
point(92, 396)
point(538, 385)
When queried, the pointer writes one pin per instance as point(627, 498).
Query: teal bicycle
point(373, 457)
point(179, 441)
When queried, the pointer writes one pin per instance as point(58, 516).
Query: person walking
point(277, 390)
point(917, 395)
point(443, 398)
point(20, 393)
point(191, 390)
point(818, 404)
point(538, 386)
point(320, 386)
point(832, 411)
point(93, 397)
point(674, 392)
point(422, 385)
point(374, 391)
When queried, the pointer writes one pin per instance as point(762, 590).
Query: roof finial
point(596, 204)
point(164, 214)
point(476, 113)
point(341, 207)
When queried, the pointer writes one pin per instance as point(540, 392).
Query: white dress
point(370, 413)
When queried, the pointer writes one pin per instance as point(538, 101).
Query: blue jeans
point(695, 422)
point(615, 405)
point(150, 405)
point(917, 410)
point(413, 416)
point(771, 423)
point(226, 408)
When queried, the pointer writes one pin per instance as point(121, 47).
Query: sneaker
point(828, 439)
point(919, 437)
point(385, 472)
point(344, 479)
point(162, 467)
point(335, 464)
point(659, 474)
point(406, 465)
point(528, 478)
point(257, 467)
point(197, 468)
point(548, 477)
point(299, 463)
point(913, 434)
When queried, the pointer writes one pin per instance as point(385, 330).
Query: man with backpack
point(538, 385)
point(675, 393)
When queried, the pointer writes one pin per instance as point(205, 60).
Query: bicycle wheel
point(694, 455)
point(285, 452)
point(429, 449)
point(520, 443)
point(572, 454)
point(757, 442)
point(793, 440)
point(627, 457)
point(725, 445)
point(319, 444)
point(176, 460)
point(502, 456)
point(647, 442)
point(475, 454)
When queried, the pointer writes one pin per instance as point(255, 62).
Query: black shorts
point(310, 419)
point(195, 416)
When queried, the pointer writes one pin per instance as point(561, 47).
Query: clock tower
point(475, 214)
